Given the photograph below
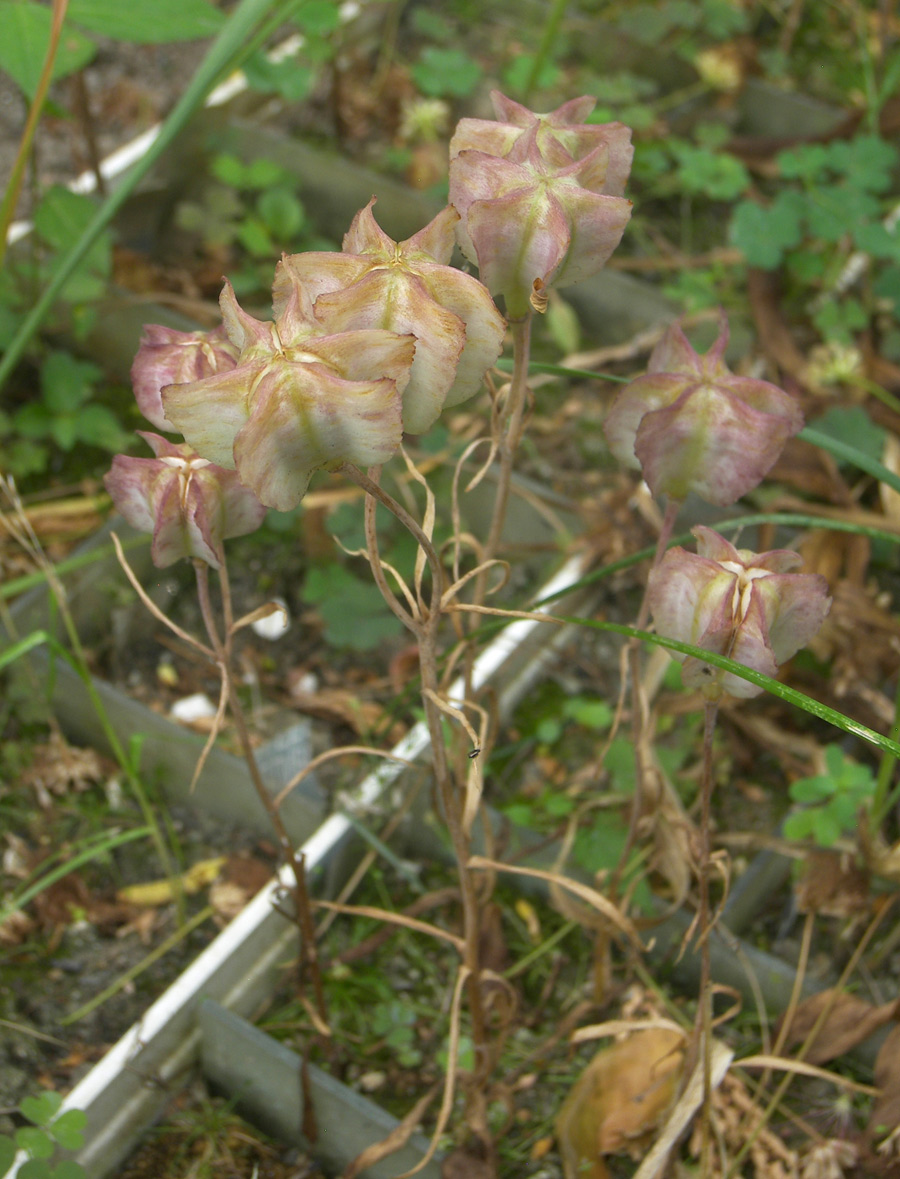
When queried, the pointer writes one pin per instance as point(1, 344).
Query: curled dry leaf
point(160, 892)
point(618, 1100)
point(884, 1119)
point(58, 767)
point(336, 705)
point(849, 1021)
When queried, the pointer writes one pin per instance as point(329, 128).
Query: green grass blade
point(789, 695)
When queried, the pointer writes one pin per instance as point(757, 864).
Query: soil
point(82, 934)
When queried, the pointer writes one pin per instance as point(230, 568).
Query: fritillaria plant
point(374, 342)
point(540, 197)
point(189, 505)
point(690, 425)
point(754, 608)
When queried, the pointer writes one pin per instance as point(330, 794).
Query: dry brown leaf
point(337, 705)
point(670, 828)
point(397, 1138)
point(849, 1021)
point(832, 885)
point(462, 1163)
point(242, 878)
point(618, 1100)
point(227, 899)
point(15, 929)
point(58, 767)
point(692, 1097)
point(885, 1116)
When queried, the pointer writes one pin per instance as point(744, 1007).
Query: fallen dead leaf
point(396, 1139)
point(337, 705)
point(849, 1021)
point(227, 898)
point(160, 892)
point(618, 1100)
point(885, 1116)
point(15, 929)
point(542, 1147)
point(462, 1163)
point(831, 884)
point(58, 767)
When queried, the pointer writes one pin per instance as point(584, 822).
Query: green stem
point(14, 187)
point(125, 763)
point(511, 436)
point(548, 37)
point(883, 802)
point(154, 955)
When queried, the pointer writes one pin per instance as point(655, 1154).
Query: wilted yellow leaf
point(160, 892)
point(528, 914)
point(618, 1100)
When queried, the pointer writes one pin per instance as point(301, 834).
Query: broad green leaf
point(521, 813)
point(68, 1129)
point(442, 72)
point(853, 427)
point(287, 78)
point(867, 161)
point(812, 789)
point(66, 383)
point(263, 173)
point(518, 73)
point(803, 163)
point(318, 17)
point(338, 595)
point(63, 428)
point(157, 23)
point(99, 426)
point(36, 1141)
point(763, 234)
point(548, 731)
point(723, 19)
point(41, 1108)
point(843, 809)
point(834, 755)
point(255, 238)
point(60, 220)
point(558, 805)
point(593, 714)
point(7, 1153)
point(32, 420)
point(68, 1169)
point(875, 239)
point(24, 40)
point(798, 826)
point(282, 214)
point(35, 1169)
point(62, 216)
point(834, 211)
point(827, 828)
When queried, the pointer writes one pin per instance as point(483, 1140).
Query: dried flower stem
point(511, 436)
point(425, 629)
point(309, 958)
point(703, 1030)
